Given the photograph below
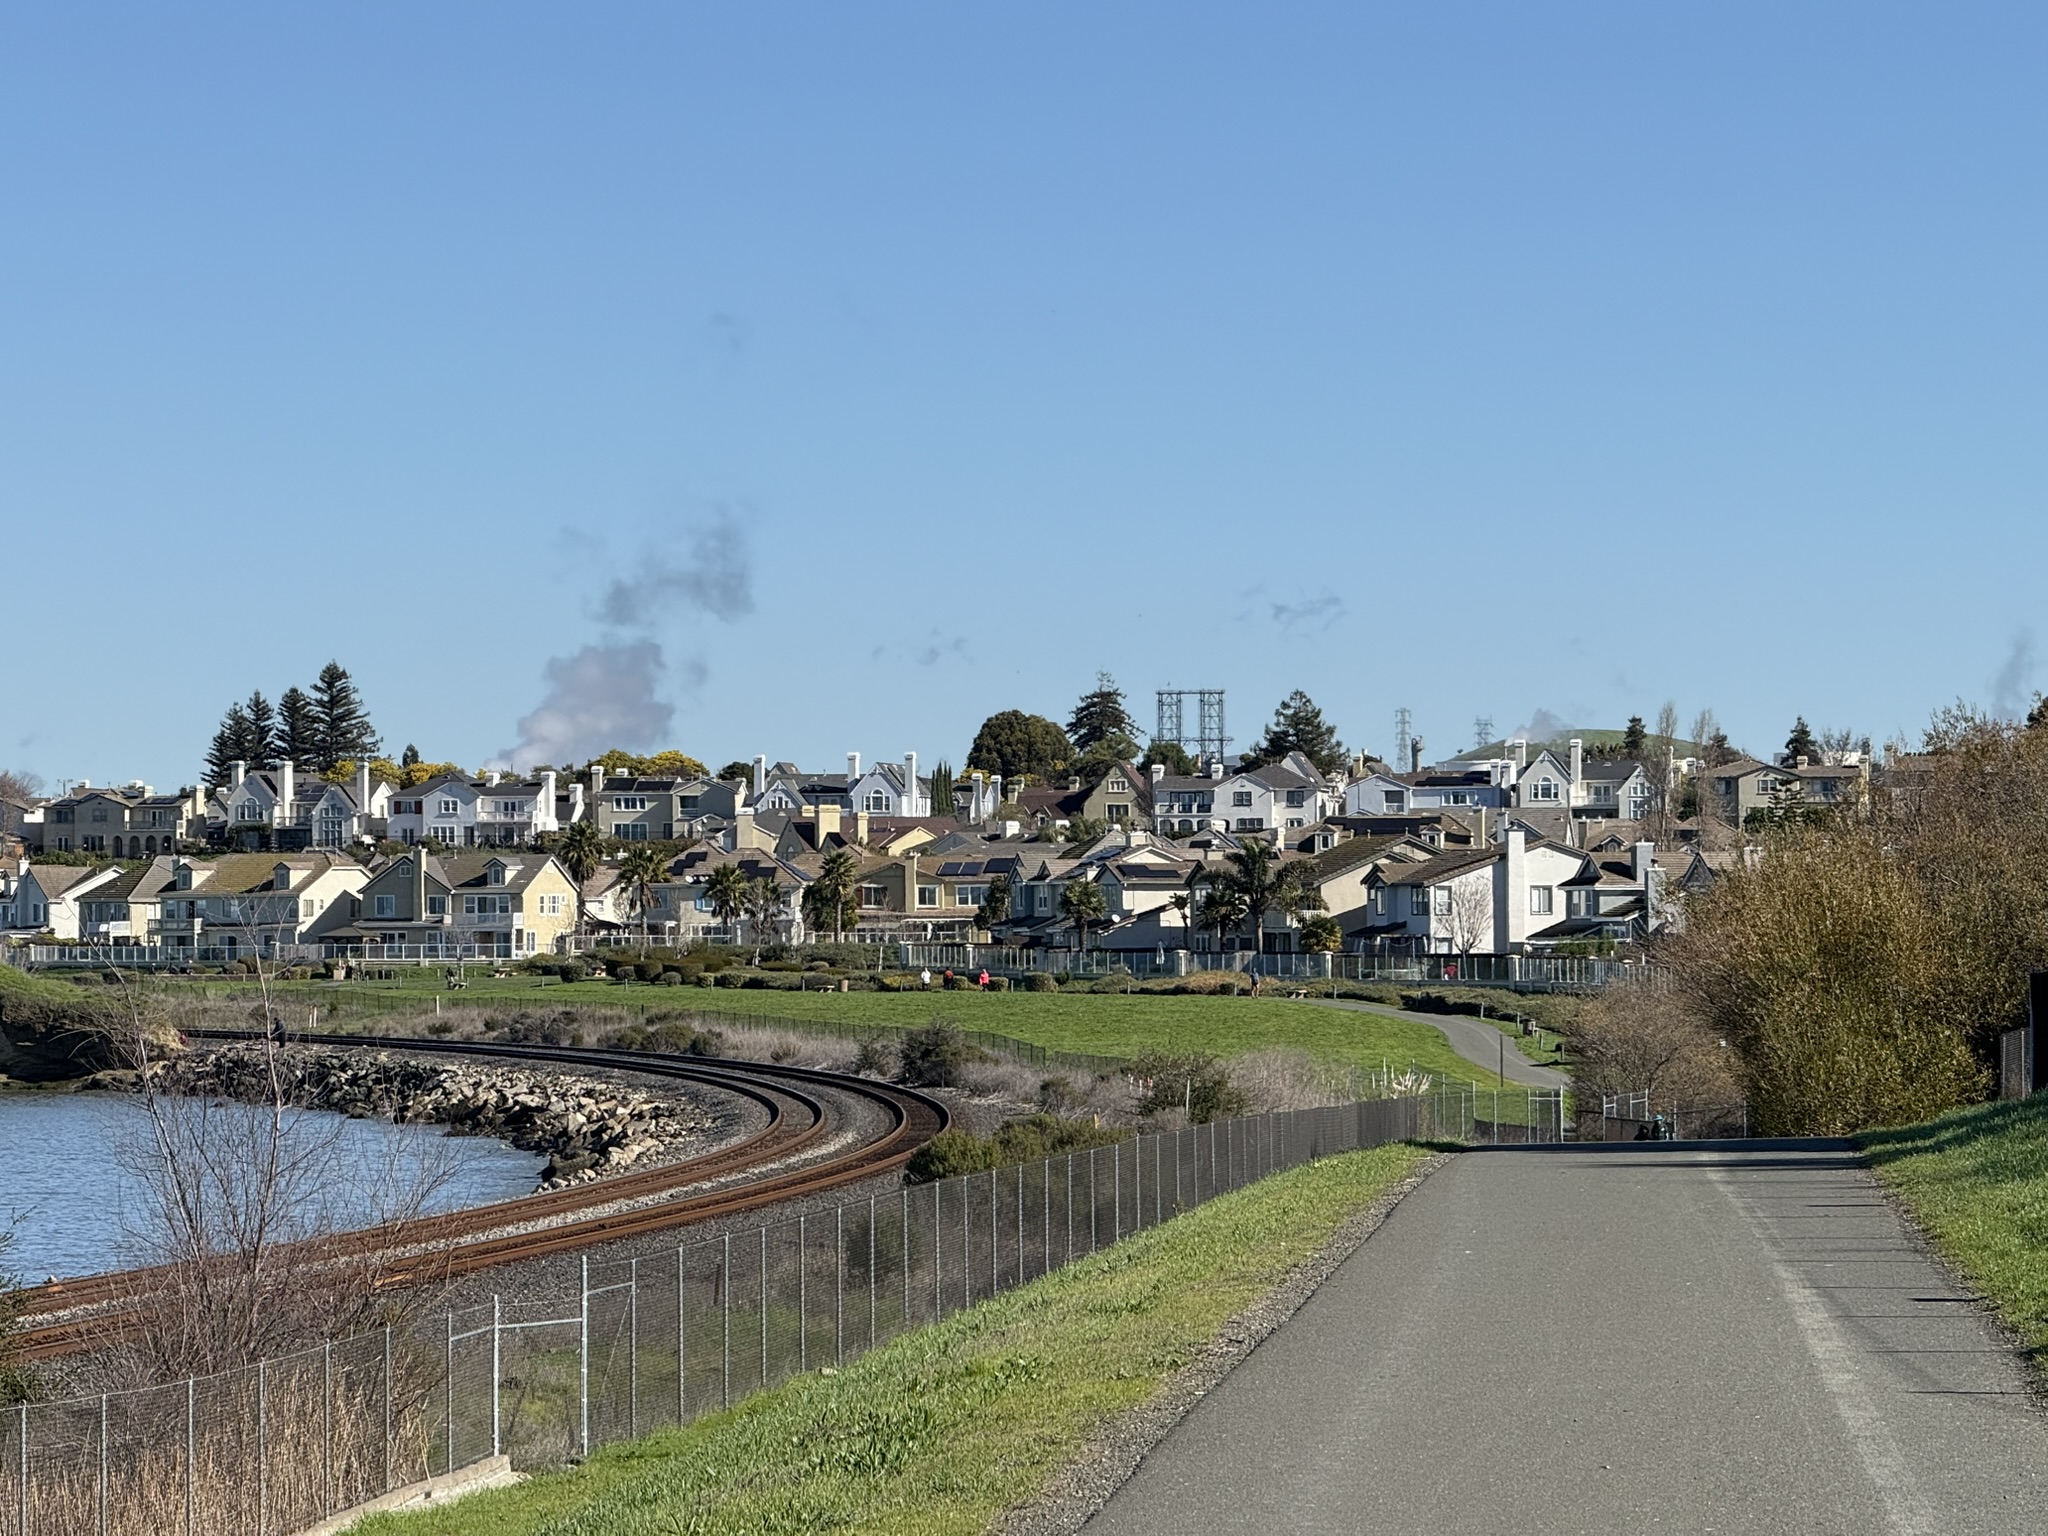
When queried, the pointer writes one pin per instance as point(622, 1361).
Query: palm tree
point(641, 871)
point(1223, 908)
point(727, 893)
point(1261, 881)
point(835, 885)
point(762, 901)
point(581, 850)
point(1081, 901)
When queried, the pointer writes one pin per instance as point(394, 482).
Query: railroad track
point(86, 1311)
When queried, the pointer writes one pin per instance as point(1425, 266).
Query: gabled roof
point(1611, 770)
point(55, 879)
point(1442, 867)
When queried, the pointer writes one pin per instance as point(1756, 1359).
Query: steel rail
point(460, 1242)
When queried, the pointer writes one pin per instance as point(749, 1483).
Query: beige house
point(131, 821)
point(1747, 788)
point(249, 903)
point(496, 905)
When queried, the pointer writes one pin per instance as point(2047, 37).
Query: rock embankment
point(587, 1127)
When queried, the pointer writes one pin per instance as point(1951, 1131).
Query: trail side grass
point(1977, 1182)
point(948, 1427)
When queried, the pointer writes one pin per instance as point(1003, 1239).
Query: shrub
point(874, 1058)
point(1196, 1082)
point(730, 979)
point(1041, 981)
point(932, 1055)
point(1027, 1139)
point(670, 978)
point(999, 983)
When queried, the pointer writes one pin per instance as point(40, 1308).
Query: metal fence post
point(725, 1321)
point(903, 1231)
point(966, 1243)
point(1116, 1192)
point(874, 1319)
point(995, 1239)
point(497, 1367)
point(839, 1285)
point(633, 1350)
point(762, 1295)
point(191, 1455)
point(583, 1363)
point(24, 1477)
point(803, 1294)
point(682, 1348)
point(103, 1464)
point(450, 1374)
point(262, 1459)
point(327, 1420)
point(387, 1407)
point(938, 1267)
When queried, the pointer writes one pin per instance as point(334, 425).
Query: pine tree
point(230, 746)
point(1101, 726)
point(1635, 741)
point(261, 740)
point(411, 757)
point(298, 728)
point(1298, 726)
point(1801, 743)
point(343, 724)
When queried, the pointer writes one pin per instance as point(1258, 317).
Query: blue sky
point(831, 377)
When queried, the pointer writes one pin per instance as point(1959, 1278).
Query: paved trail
point(1622, 1340)
point(1474, 1039)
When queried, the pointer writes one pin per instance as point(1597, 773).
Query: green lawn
point(1977, 1182)
point(1096, 1024)
point(943, 1430)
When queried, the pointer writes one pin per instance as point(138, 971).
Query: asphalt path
point(1738, 1338)
point(1474, 1039)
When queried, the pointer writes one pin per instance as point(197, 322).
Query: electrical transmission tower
point(1482, 731)
point(1209, 737)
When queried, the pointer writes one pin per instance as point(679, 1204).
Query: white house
point(46, 898)
point(1495, 899)
point(1609, 789)
point(287, 807)
point(1277, 797)
point(889, 789)
point(461, 812)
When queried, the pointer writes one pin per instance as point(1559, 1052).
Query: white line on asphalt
point(1835, 1358)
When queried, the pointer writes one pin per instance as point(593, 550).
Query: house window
point(1393, 801)
point(1766, 785)
point(551, 905)
point(384, 906)
point(927, 895)
point(874, 895)
point(629, 802)
point(495, 875)
point(99, 813)
point(248, 811)
point(1116, 813)
point(512, 808)
point(1297, 821)
point(65, 815)
point(442, 834)
point(1249, 824)
point(1544, 790)
point(1240, 797)
point(1442, 903)
point(1119, 785)
point(486, 906)
point(878, 801)
point(1297, 797)
point(437, 906)
point(450, 808)
point(969, 895)
point(630, 831)
point(1458, 797)
point(1540, 899)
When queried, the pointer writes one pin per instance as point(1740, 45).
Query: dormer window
point(281, 878)
point(495, 874)
point(450, 806)
point(1119, 785)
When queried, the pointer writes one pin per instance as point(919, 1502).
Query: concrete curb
point(491, 1472)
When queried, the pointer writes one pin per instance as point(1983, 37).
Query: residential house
point(1456, 788)
point(1492, 899)
point(130, 821)
point(125, 909)
point(250, 903)
point(1744, 790)
point(783, 787)
point(1278, 797)
point(491, 811)
point(470, 902)
point(1600, 789)
point(1118, 796)
point(45, 898)
point(681, 910)
point(889, 789)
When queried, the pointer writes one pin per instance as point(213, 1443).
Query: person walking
point(984, 978)
point(925, 976)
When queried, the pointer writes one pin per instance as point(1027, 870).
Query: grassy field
point(943, 1430)
point(1099, 1024)
point(1977, 1182)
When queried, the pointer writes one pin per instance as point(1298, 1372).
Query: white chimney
point(995, 793)
point(284, 794)
point(1642, 856)
point(852, 769)
point(544, 813)
point(576, 800)
point(760, 774)
point(1578, 765)
point(910, 787)
point(237, 771)
point(363, 787)
point(1520, 749)
point(491, 779)
point(596, 785)
point(1158, 772)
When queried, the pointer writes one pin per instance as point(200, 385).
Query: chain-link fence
point(654, 1340)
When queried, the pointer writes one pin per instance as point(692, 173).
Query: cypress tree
point(1801, 743)
point(260, 742)
point(1298, 726)
point(1101, 726)
point(342, 721)
point(1635, 741)
point(229, 746)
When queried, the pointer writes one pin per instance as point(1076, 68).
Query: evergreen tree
point(1635, 741)
point(262, 737)
point(230, 746)
point(1101, 726)
point(1801, 743)
point(1017, 745)
point(1298, 726)
point(1172, 756)
point(942, 790)
point(298, 729)
point(411, 757)
point(343, 724)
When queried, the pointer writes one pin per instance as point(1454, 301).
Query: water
point(73, 1204)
